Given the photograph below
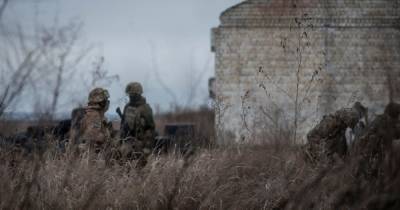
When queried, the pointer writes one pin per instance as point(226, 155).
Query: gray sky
point(136, 35)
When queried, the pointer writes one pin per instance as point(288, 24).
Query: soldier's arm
point(149, 128)
point(150, 124)
point(397, 131)
point(123, 115)
point(124, 131)
point(110, 128)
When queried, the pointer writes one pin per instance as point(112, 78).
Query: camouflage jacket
point(94, 128)
point(375, 145)
point(379, 135)
point(138, 121)
point(328, 137)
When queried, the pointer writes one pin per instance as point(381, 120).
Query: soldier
point(328, 138)
point(93, 130)
point(77, 115)
point(375, 146)
point(137, 125)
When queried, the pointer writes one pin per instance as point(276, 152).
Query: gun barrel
point(119, 113)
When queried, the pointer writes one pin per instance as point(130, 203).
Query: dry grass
point(211, 179)
point(10, 127)
point(241, 177)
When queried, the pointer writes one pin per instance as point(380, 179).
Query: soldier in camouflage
point(137, 125)
point(77, 115)
point(92, 131)
point(327, 141)
point(374, 148)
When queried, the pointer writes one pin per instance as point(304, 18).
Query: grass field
point(240, 177)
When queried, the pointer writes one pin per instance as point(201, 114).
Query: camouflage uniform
point(137, 126)
point(76, 123)
point(91, 131)
point(376, 144)
point(328, 138)
point(397, 130)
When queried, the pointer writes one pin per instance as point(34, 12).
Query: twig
point(159, 79)
point(3, 8)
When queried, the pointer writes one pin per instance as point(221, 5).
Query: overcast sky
point(138, 36)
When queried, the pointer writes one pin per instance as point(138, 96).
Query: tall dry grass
point(240, 177)
point(211, 179)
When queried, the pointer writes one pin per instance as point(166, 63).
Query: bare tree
point(160, 80)
point(297, 43)
point(3, 6)
point(61, 59)
point(195, 77)
point(100, 75)
point(43, 61)
point(19, 61)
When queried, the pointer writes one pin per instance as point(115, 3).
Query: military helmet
point(362, 110)
point(98, 95)
point(393, 110)
point(134, 88)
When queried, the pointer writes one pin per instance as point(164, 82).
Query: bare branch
point(165, 87)
point(194, 85)
point(19, 79)
point(3, 7)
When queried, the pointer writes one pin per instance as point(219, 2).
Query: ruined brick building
point(274, 57)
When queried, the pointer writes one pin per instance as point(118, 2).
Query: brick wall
point(347, 54)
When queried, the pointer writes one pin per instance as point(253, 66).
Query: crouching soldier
point(327, 140)
point(137, 126)
point(375, 148)
point(92, 132)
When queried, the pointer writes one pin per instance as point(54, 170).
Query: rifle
point(118, 110)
